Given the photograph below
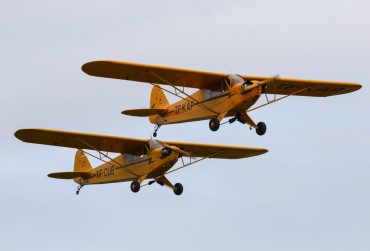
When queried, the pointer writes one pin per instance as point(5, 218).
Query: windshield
point(154, 144)
point(234, 79)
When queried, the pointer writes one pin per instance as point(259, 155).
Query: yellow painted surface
point(107, 143)
point(119, 170)
point(139, 160)
point(207, 80)
point(213, 99)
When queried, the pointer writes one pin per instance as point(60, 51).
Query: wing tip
point(263, 150)
point(92, 68)
point(24, 134)
point(20, 133)
point(260, 151)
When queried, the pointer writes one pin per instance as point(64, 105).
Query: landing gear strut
point(78, 189)
point(238, 117)
point(214, 124)
point(155, 130)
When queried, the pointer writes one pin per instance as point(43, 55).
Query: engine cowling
point(247, 86)
point(166, 152)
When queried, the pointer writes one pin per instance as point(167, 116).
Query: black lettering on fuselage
point(107, 171)
point(185, 107)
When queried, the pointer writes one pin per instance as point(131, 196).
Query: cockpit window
point(234, 79)
point(154, 144)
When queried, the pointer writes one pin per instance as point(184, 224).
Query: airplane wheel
point(154, 134)
point(214, 124)
point(261, 128)
point(135, 186)
point(178, 188)
point(77, 192)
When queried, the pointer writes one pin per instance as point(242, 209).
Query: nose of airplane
point(248, 85)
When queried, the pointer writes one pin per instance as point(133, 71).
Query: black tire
point(178, 189)
point(135, 186)
point(214, 124)
point(261, 128)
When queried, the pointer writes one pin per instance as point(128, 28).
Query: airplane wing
point(220, 151)
point(149, 74)
point(209, 80)
point(313, 88)
point(81, 140)
point(116, 144)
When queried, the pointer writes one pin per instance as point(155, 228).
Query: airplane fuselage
point(205, 104)
point(127, 167)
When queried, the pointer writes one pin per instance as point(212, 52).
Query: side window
point(130, 157)
point(219, 87)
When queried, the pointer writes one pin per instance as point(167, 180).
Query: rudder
point(82, 164)
point(158, 99)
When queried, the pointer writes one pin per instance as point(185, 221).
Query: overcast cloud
point(309, 192)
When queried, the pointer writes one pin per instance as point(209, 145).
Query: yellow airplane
point(139, 159)
point(220, 95)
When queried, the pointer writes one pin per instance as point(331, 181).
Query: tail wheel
point(261, 128)
point(214, 124)
point(178, 189)
point(135, 186)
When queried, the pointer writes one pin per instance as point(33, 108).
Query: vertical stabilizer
point(82, 164)
point(158, 99)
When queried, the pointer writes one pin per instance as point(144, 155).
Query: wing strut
point(176, 169)
point(179, 90)
point(275, 99)
point(105, 155)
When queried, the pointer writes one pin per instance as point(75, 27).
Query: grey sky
point(309, 192)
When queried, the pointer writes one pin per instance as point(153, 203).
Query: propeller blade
point(270, 80)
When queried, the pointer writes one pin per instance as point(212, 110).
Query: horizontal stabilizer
point(69, 175)
point(143, 112)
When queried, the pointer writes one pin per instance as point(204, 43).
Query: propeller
point(249, 85)
point(267, 81)
point(270, 80)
